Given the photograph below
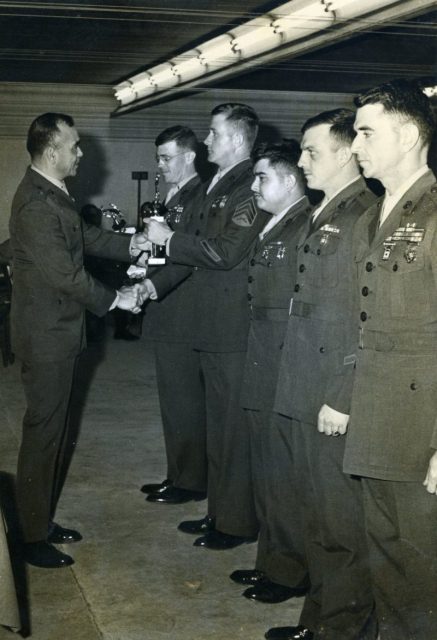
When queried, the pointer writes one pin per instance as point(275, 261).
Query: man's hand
point(128, 298)
point(157, 232)
point(140, 249)
point(146, 290)
point(430, 481)
point(332, 422)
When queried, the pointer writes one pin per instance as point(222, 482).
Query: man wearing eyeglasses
point(168, 324)
point(217, 246)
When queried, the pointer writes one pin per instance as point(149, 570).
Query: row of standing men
point(294, 349)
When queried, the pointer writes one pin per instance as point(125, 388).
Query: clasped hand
point(157, 232)
point(129, 298)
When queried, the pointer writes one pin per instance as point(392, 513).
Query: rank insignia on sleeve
point(245, 213)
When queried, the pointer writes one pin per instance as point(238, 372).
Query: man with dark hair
point(168, 322)
point(217, 245)
point(51, 292)
point(278, 188)
point(392, 440)
point(315, 386)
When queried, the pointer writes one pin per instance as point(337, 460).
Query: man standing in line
point(217, 246)
point(392, 441)
point(168, 323)
point(279, 189)
point(315, 386)
point(50, 294)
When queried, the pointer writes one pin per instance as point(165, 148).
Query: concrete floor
point(135, 576)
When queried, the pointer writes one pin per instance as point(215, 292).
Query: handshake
point(133, 297)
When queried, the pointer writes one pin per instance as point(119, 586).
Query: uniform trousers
point(281, 551)
point(230, 495)
point(401, 523)
point(340, 603)
point(181, 393)
point(46, 445)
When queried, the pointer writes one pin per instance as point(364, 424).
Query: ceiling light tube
point(218, 52)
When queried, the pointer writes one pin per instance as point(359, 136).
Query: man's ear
point(409, 135)
point(190, 156)
point(290, 181)
point(344, 155)
point(49, 155)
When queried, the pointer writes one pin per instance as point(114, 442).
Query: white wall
point(114, 147)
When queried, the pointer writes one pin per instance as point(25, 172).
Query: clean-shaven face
point(377, 143)
point(219, 141)
point(67, 151)
point(270, 187)
point(319, 159)
point(172, 162)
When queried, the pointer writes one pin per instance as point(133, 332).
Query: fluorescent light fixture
point(294, 21)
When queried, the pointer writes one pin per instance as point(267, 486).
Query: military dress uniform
point(392, 432)
point(50, 294)
point(271, 277)
point(168, 323)
point(227, 226)
point(317, 368)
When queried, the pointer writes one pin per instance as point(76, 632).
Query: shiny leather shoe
point(272, 592)
point(156, 487)
point(173, 495)
point(221, 541)
point(289, 633)
point(59, 535)
point(197, 526)
point(247, 576)
point(44, 555)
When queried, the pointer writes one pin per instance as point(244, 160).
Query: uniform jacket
point(170, 317)
point(271, 277)
point(393, 424)
point(51, 288)
point(319, 350)
point(217, 244)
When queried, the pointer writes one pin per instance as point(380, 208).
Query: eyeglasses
point(166, 159)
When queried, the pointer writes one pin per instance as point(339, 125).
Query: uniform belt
point(263, 313)
point(303, 309)
point(380, 341)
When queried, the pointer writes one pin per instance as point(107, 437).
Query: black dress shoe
point(155, 487)
point(42, 554)
point(173, 495)
point(197, 526)
point(247, 576)
point(289, 633)
point(221, 541)
point(272, 592)
point(59, 535)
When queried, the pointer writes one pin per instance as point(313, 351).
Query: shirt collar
point(274, 219)
point(58, 183)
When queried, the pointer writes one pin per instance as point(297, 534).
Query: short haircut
point(341, 121)
point(284, 155)
point(242, 116)
point(406, 99)
point(184, 137)
point(43, 131)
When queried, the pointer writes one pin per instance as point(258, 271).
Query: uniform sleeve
point(168, 277)
point(227, 249)
point(43, 241)
point(106, 244)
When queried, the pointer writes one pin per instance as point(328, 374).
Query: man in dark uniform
point(315, 385)
point(392, 440)
point(217, 246)
point(279, 189)
point(50, 294)
point(169, 324)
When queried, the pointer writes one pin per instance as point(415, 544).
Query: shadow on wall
point(93, 171)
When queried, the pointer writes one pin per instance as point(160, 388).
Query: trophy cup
point(155, 210)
